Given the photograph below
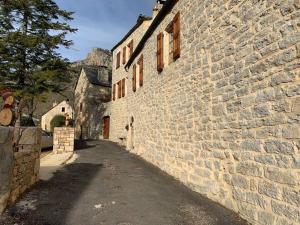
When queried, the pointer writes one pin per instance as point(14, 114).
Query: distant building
point(92, 90)
point(62, 108)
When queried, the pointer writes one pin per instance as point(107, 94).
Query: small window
point(80, 107)
point(118, 60)
point(63, 109)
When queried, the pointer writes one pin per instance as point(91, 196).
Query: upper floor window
point(63, 109)
point(172, 42)
point(118, 60)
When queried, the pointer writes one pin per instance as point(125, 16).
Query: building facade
point(92, 91)
point(212, 97)
point(62, 108)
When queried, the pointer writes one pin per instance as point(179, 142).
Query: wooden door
point(106, 122)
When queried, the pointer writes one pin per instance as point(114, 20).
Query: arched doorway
point(106, 124)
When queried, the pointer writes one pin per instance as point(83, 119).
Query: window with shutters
point(134, 78)
point(130, 48)
point(170, 43)
point(118, 60)
point(176, 42)
point(119, 89)
point(123, 87)
point(160, 52)
point(124, 55)
point(141, 70)
point(114, 92)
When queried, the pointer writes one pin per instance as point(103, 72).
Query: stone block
point(285, 210)
point(274, 146)
point(249, 169)
point(266, 218)
point(251, 145)
point(281, 176)
point(268, 189)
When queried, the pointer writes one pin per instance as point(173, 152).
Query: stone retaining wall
point(63, 140)
point(19, 167)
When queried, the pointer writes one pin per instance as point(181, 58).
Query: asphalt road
point(106, 185)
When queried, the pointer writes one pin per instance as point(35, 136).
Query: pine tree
point(31, 32)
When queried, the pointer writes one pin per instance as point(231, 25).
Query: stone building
point(92, 91)
point(212, 97)
point(62, 108)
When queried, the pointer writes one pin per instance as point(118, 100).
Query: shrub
point(57, 121)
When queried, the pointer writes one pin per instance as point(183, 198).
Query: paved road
point(106, 185)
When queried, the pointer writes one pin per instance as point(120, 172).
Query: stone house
point(93, 90)
point(62, 108)
point(212, 96)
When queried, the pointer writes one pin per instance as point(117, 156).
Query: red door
point(106, 122)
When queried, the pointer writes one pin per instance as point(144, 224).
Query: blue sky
point(101, 23)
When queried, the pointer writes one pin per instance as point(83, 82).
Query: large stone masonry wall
point(119, 116)
point(19, 166)
point(225, 117)
point(63, 140)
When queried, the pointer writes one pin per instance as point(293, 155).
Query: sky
point(101, 23)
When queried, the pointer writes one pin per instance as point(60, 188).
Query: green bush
point(57, 121)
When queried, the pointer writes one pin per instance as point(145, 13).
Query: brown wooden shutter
point(118, 59)
point(123, 87)
point(130, 46)
point(141, 70)
point(134, 78)
point(124, 55)
point(176, 43)
point(119, 89)
point(160, 52)
point(114, 92)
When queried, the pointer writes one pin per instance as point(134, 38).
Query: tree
point(57, 121)
point(31, 31)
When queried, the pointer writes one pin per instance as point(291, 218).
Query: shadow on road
point(82, 144)
point(53, 200)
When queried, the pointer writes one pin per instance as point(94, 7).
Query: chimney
point(158, 6)
point(54, 104)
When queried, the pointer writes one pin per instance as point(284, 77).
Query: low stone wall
point(63, 140)
point(19, 166)
point(6, 165)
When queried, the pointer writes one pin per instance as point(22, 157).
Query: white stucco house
point(57, 109)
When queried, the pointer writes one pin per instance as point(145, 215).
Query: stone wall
point(6, 165)
point(19, 166)
point(118, 108)
point(63, 140)
point(225, 117)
